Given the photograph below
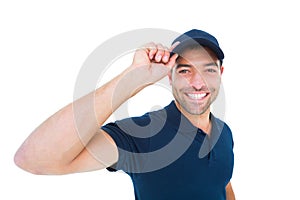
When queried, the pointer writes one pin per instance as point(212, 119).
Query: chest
point(190, 174)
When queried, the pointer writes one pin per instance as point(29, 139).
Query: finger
point(160, 53)
point(174, 46)
point(166, 56)
point(172, 61)
point(150, 49)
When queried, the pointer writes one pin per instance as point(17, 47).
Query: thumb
point(172, 61)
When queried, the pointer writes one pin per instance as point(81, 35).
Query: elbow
point(22, 161)
point(35, 166)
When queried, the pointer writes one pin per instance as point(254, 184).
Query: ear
point(221, 69)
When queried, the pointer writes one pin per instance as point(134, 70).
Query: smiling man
point(196, 80)
point(180, 152)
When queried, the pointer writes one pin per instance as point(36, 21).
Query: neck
point(201, 121)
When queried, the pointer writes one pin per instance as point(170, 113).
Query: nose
point(197, 81)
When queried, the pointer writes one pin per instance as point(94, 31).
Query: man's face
point(196, 80)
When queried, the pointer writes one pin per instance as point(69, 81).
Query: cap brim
point(200, 41)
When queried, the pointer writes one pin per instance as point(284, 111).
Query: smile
point(197, 96)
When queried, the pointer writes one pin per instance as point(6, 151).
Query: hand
point(153, 62)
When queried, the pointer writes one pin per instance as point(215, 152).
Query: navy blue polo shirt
point(168, 158)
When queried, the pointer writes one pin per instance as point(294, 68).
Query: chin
point(196, 111)
point(200, 112)
point(192, 108)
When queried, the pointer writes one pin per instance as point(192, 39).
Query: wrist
point(134, 79)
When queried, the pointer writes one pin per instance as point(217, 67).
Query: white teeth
point(197, 96)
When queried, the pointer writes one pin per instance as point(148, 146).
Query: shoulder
point(139, 126)
point(143, 123)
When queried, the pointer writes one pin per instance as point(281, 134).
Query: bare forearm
point(62, 137)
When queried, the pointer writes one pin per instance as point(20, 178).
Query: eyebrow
point(183, 65)
point(211, 64)
point(206, 65)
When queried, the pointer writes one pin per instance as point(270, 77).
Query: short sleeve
point(128, 147)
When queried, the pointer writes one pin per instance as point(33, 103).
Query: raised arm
point(71, 140)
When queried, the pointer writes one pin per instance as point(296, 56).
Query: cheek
point(213, 82)
point(179, 82)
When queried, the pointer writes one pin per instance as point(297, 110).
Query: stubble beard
point(191, 107)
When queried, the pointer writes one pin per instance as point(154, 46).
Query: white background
point(44, 44)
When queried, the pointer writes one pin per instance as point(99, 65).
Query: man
point(179, 152)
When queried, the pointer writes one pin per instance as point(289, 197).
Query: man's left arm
point(229, 192)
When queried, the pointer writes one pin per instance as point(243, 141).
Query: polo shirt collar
point(178, 121)
point(175, 117)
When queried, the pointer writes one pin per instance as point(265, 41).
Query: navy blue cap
point(201, 37)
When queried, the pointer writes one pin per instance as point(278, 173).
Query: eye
point(211, 70)
point(183, 71)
